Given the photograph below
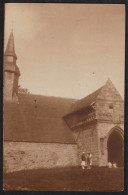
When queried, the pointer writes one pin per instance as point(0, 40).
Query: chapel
point(45, 131)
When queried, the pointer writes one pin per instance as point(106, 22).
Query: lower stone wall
point(25, 155)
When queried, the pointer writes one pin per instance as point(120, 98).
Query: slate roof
point(37, 122)
point(10, 49)
point(86, 101)
point(42, 120)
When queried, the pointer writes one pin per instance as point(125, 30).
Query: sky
point(67, 50)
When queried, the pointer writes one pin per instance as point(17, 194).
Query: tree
point(23, 90)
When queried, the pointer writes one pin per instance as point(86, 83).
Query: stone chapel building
point(45, 131)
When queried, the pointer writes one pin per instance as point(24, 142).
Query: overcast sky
point(68, 50)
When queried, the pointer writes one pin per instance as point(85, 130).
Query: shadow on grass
point(66, 179)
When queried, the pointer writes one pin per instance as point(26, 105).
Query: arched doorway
point(115, 148)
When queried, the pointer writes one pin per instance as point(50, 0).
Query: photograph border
point(2, 6)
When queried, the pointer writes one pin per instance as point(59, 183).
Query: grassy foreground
point(69, 179)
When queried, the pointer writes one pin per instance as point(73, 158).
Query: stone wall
point(15, 84)
point(8, 85)
point(111, 111)
point(87, 141)
point(109, 105)
point(110, 114)
point(25, 155)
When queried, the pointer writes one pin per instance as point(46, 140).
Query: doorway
point(115, 148)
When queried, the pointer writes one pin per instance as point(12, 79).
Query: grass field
point(70, 179)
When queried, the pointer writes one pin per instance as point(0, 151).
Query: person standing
point(83, 160)
point(89, 160)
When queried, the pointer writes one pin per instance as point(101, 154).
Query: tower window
point(9, 75)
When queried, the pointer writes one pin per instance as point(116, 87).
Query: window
point(111, 106)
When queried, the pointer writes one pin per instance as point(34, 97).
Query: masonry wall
point(87, 141)
point(109, 105)
point(110, 114)
point(15, 84)
point(23, 155)
point(8, 85)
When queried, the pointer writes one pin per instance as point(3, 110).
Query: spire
point(10, 49)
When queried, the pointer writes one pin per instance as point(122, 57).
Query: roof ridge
point(47, 96)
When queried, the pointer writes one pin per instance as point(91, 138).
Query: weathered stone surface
point(109, 109)
point(24, 155)
point(110, 115)
point(87, 141)
point(8, 85)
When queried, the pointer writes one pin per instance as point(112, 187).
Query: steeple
point(11, 71)
point(10, 49)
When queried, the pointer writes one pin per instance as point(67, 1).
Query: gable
point(109, 92)
point(109, 104)
point(104, 103)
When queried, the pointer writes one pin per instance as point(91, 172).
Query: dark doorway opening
point(115, 148)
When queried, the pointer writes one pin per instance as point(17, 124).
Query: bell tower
point(11, 71)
